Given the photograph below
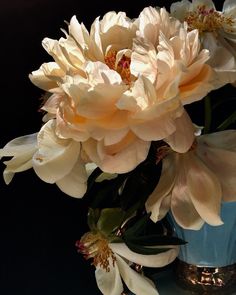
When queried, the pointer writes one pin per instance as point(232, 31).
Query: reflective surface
point(211, 246)
point(208, 280)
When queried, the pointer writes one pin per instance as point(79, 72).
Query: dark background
point(39, 224)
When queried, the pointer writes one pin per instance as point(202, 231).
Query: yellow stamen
point(123, 66)
point(207, 20)
point(95, 246)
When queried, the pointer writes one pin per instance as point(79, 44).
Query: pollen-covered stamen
point(208, 20)
point(96, 247)
point(123, 66)
point(110, 59)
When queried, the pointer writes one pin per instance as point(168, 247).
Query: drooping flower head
point(193, 184)
point(114, 261)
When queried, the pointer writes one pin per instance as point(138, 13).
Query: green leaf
point(155, 240)
point(93, 216)
point(144, 250)
point(230, 120)
point(110, 219)
point(106, 193)
point(106, 176)
point(116, 239)
point(139, 184)
point(138, 228)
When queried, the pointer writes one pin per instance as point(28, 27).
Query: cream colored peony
point(113, 265)
point(172, 57)
point(193, 184)
point(122, 85)
point(217, 32)
point(54, 160)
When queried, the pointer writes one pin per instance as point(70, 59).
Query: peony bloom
point(217, 32)
point(121, 86)
point(193, 184)
point(113, 261)
point(54, 160)
point(166, 46)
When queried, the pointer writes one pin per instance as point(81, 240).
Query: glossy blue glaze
point(213, 246)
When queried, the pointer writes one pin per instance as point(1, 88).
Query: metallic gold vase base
point(206, 280)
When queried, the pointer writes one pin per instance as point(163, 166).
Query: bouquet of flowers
point(118, 130)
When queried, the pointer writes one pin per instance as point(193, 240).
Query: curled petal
point(158, 260)
point(136, 283)
point(22, 150)
point(55, 157)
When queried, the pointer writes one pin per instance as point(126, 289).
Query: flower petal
point(204, 189)
point(182, 139)
point(22, 150)
point(136, 283)
point(182, 207)
point(120, 157)
point(158, 260)
point(74, 184)
point(55, 157)
point(109, 283)
point(218, 152)
point(156, 202)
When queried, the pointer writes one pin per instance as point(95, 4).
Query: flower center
point(122, 67)
point(95, 246)
point(207, 20)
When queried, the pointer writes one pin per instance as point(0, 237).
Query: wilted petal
point(109, 283)
point(136, 283)
point(55, 157)
point(158, 260)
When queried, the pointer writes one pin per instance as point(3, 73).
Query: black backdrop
point(39, 224)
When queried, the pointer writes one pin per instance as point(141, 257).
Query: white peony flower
point(217, 33)
point(113, 261)
point(54, 160)
point(122, 85)
point(170, 57)
point(193, 184)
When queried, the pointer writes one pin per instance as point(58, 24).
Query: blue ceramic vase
point(208, 260)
